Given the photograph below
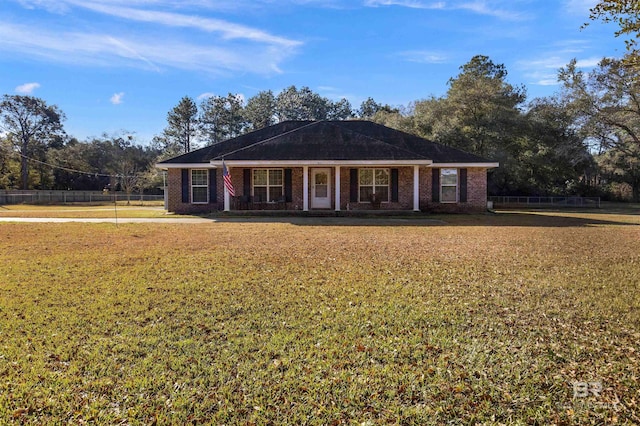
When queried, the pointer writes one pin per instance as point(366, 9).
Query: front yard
point(513, 318)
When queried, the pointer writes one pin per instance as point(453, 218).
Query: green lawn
point(485, 319)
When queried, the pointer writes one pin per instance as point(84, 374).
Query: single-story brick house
point(327, 165)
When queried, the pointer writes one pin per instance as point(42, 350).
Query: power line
point(67, 169)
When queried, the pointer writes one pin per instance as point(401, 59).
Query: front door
point(321, 189)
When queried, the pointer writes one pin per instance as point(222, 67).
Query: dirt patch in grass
point(486, 319)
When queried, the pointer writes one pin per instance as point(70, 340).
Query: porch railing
point(253, 203)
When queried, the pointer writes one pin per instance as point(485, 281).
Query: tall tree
point(30, 121)
point(130, 164)
point(182, 124)
point(9, 167)
point(260, 110)
point(80, 156)
point(627, 14)
point(369, 108)
point(395, 119)
point(115, 160)
point(481, 113)
point(221, 118)
point(484, 109)
point(303, 104)
point(617, 166)
point(433, 120)
point(340, 110)
point(606, 106)
point(552, 159)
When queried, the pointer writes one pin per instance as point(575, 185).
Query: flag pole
point(229, 191)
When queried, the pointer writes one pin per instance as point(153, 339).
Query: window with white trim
point(199, 186)
point(373, 181)
point(268, 185)
point(448, 185)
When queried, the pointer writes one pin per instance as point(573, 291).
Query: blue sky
point(121, 65)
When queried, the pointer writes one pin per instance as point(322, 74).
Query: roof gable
point(323, 140)
point(217, 151)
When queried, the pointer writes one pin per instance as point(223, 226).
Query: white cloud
point(544, 71)
point(483, 8)
point(480, 7)
point(588, 62)
point(49, 5)
point(105, 50)
point(27, 88)
point(205, 95)
point(423, 57)
point(116, 99)
point(190, 42)
point(413, 4)
point(228, 30)
point(335, 93)
point(61, 5)
point(328, 89)
point(579, 7)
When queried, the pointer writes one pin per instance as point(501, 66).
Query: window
point(373, 181)
point(448, 185)
point(199, 186)
point(268, 185)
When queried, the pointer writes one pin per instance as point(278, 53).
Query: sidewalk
point(308, 221)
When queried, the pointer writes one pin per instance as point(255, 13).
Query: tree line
point(583, 140)
point(37, 153)
point(218, 118)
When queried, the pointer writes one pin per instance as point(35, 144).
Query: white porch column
point(305, 188)
point(416, 188)
point(227, 199)
point(337, 188)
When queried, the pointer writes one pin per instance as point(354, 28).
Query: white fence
point(63, 197)
point(513, 201)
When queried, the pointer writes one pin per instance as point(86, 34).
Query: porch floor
point(320, 213)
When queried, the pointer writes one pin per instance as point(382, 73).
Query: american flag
point(227, 180)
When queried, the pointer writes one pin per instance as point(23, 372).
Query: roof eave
point(293, 163)
point(487, 165)
point(166, 166)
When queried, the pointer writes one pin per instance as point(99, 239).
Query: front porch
point(326, 188)
point(285, 187)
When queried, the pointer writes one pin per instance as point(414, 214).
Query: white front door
point(321, 188)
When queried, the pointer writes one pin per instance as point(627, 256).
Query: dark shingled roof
point(327, 140)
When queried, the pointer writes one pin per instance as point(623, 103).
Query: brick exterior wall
point(476, 191)
point(425, 188)
point(477, 188)
point(175, 204)
point(405, 192)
